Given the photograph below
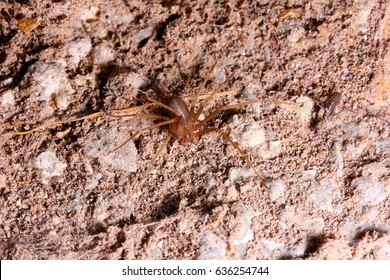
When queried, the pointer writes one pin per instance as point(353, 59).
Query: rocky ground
point(65, 194)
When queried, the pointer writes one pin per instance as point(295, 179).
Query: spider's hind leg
point(242, 153)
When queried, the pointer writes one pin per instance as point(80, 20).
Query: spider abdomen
point(183, 128)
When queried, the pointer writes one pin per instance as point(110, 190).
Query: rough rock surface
point(66, 192)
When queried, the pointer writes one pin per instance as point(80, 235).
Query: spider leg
point(212, 95)
point(158, 153)
point(90, 116)
point(206, 95)
point(242, 153)
point(142, 130)
point(201, 88)
point(223, 108)
point(134, 108)
point(151, 116)
point(153, 101)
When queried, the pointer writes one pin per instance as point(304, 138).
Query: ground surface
point(65, 194)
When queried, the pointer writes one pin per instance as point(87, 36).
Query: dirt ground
point(66, 194)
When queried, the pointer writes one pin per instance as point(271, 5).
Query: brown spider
point(183, 120)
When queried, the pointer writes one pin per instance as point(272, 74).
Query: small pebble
point(50, 83)
point(78, 51)
point(296, 35)
point(370, 191)
point(276, 192)
point(7, 99)
point(91, 15)
point(247, 133)
point(211, 247)
point(320, 195)
point(136, 81)
point(50, 164)
point(103, 56)
point(143, 34)
point(102, 146)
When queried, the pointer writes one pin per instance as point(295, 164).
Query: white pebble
point(143, 34)
point(276, 192)
point(50, 164)
point(320, 195)
point(7, 99)
point(211, 247)
point(242, 232)
point(272, 245)
point(136, 81)
point(50, 83)
point(247, 133)
point(78, 51)
point(92, 14)
point(103, 56)
point(370, 191)
point(237, 174)
point(104, 142)
point(296, 35)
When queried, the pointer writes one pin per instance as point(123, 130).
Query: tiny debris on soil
point(66, 193)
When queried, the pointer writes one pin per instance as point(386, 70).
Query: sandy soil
point(325, 156)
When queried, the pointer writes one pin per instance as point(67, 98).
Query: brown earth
point(66, 195)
